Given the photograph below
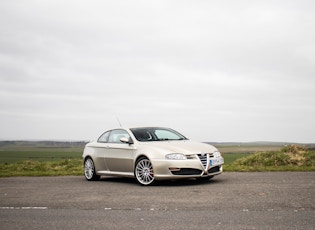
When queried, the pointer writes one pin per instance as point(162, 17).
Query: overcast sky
point(213, 70)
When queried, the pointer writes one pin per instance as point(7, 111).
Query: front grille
point(187, 171)
point(214, 169)
point(204, 159)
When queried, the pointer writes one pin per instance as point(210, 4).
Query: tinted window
point(142, 134)
point(156, 134)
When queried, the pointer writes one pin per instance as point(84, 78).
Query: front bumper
point(190, 168)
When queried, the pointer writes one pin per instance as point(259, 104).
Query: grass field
point(234, 152)
point(41, 155)
point(42, 151)
point(246, 148)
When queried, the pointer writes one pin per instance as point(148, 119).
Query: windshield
point(156, 134)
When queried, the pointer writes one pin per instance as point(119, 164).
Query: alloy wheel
point(89, 170)
point(144, 171)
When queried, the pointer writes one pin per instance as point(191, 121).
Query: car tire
point(144, 171)
point(89, 170)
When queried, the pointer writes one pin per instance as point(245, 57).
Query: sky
point(212, 70)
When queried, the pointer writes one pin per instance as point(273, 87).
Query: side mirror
point(126, 140)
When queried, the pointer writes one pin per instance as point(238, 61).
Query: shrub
point(309, 158)
point(265, 159)
point(290, 158)
point(294, 149)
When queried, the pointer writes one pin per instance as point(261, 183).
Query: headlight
point(216, 154)
point(176, 156)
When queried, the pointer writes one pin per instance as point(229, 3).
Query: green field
point(232, 152)
point(40, 154)
point(17, 151)
point(54, 159)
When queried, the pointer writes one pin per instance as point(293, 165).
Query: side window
point(104, 137)
point(116, 134)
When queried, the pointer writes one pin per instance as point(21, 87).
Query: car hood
point(186, 147)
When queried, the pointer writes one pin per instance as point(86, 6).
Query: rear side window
point(104, 137)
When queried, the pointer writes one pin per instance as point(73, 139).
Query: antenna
point(118, 121)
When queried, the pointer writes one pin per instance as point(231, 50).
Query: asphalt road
point(280, 200)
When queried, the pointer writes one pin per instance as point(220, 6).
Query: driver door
point(119, 156)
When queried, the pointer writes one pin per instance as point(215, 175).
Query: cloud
point(222, 71)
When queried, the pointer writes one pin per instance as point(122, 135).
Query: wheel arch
point(153, 155)
point(86, 157)
point(141, 156)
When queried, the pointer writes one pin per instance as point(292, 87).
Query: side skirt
point(110, 173)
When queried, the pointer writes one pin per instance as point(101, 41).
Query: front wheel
point(144, 171)
point(89, 170)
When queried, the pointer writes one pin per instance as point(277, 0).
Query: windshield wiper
point(166, 139)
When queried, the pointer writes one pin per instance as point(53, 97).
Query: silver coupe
point(149, 154)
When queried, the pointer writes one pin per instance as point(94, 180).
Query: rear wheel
point(144, 171)
point(89, 170)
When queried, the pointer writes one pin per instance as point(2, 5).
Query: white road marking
point(25, 208)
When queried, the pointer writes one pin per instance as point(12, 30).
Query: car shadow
point(166, 183)
point(124, 180)
point(185, 182)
